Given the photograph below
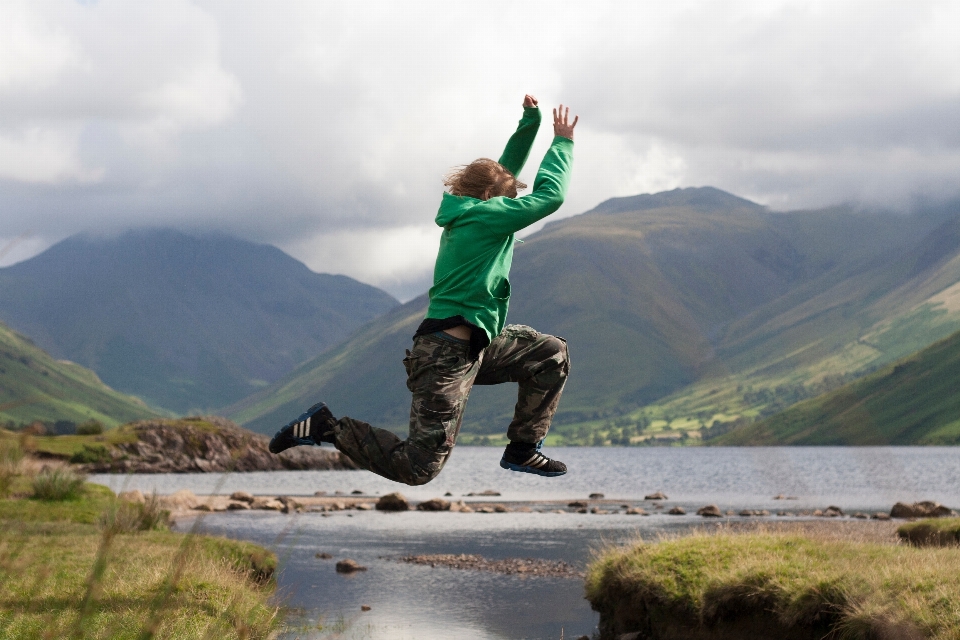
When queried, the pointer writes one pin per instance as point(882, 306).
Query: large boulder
point(924, 509)
point(710, 511)
point(393, 502)
point(659, 495)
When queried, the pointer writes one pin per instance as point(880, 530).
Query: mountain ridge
point(186, 322)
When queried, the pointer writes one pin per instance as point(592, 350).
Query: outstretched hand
point(529, 101)
point(561, 125)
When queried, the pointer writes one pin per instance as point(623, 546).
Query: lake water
point(411, 601)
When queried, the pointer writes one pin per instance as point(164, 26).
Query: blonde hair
point(479, 177)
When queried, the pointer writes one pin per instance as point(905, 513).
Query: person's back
point(463, 339)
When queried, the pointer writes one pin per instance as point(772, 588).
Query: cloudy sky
point(324, 128)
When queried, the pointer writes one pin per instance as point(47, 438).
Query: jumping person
point(463, 340)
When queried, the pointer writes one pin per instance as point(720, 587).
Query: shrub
point(91, 454)
point(90, 428)
point(57, 484)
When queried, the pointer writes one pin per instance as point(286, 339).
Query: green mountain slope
point(914, 401)
point(647, 291)
point(34, 386)
point(189, 323)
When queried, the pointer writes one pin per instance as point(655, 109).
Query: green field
point(67, 571)
point(913, 401)
point(34, 386)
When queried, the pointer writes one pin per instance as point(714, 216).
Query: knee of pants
point(422, 478)
point(558, 347)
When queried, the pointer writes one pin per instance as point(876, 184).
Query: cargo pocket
point(434, 425)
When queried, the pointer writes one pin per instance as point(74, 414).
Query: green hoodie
point(471, 277)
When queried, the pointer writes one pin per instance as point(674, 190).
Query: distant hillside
point(914, 401)
point(648, 291)
point(34, 386)
point(186, 323)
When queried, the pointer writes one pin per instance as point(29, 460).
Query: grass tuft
point(54, 485)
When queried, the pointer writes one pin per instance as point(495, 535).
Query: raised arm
point(518, 147)
point(549, 188)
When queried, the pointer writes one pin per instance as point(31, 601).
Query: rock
point(290, 504)
point(349, 566)
point(132, 496)
point(636, 511)
point(925, 509)
point(525, 510)
point(659, 495)
point(235, 505)
point(466, 509)
point(832, 512)
point(448, 495)
point(859, 515)
point(677, 511)
point(817, 513)
point(268, 504)
point(356, 492)
point(779, 496)
point(782, 513)
point(204, 507)
point(880, 515)
point(323, 556)
point(596, 496)
point(730, 512)
point(435, 504)
point(599, 511)
point(365, 607)
point(319, 494)
point(583, 510)
point(710, 511)
point(578, 504)
point(746, 513)
point(485, 510)
point(393, 502)
point(181, 500)
point(500, 508)
point(364, 506)
point(486, 492)
point(242, 496)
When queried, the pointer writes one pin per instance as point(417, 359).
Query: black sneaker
point(530, 460)
point(315, 425)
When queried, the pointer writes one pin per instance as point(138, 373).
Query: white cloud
point(43, 156)
point(32, 53)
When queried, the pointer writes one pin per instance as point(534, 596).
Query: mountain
point(34, 386)
point(913, 401)
point(187, 323)
point(653, 293)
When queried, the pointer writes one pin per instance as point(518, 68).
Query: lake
point(422, 602)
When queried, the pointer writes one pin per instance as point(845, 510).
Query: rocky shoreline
point(203, 444)
point(186, 503)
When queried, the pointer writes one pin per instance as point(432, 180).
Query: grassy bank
point(932, 532)
point(776, 585)
point(82, 568)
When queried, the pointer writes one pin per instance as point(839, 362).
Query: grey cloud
point(294, 123)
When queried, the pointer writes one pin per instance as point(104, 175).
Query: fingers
point(576, 119)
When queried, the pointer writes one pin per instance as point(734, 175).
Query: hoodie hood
point(452, 207)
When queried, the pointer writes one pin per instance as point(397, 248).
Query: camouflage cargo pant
point(441, 375)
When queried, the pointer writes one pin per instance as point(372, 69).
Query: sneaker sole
point(509, 466)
